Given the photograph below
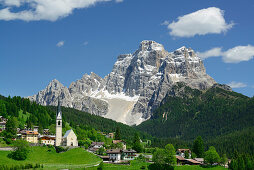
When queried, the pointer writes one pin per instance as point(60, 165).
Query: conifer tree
point(198, 147)
point(170, 154)
point(118, 134)
point(136, 143)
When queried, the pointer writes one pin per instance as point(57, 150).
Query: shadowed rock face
point(138, 81)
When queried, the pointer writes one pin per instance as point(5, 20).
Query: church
point(70, 138)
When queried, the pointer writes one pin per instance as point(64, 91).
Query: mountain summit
point(135, 87)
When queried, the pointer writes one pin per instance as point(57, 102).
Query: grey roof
point(59, 112)
point(67, 133)
point(129, 151)
point(110, 151)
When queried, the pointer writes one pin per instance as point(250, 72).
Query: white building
point(114, 155)
point(70, 139)
point(181, 152)
point(47, 140)
point(129, 154)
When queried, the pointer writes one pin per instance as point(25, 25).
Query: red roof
point(193, 161)
point(180, 158)
point(27, 132)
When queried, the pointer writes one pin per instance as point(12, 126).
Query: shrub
point(60, 149)
point(21, 150)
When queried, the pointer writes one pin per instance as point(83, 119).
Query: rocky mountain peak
point(55, 84)
point(187, 52)
point(148, 45)
point(136, 85)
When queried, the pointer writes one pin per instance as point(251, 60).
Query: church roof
point(67, 133)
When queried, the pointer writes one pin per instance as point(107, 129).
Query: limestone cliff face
point(136, 85)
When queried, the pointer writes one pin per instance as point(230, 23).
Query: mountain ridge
point(135, 87)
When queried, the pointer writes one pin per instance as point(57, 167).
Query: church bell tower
point(58, 141)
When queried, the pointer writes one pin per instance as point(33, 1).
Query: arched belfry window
point(59, 123)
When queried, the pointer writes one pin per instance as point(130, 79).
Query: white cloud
point(233, 55)
point(11, 2)
point(36, 10)
point(234, 84)
point(60, 44)
point(205, 21)
point(119, 1)
point(85, 43)
point(215, 52)
point(238, 54)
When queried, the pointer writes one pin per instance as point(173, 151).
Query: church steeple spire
point(59, 112)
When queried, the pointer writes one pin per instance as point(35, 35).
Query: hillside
point(187, 113)
point(44, 116)
point(83, 119)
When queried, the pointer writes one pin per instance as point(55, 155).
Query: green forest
point(85, 125)
point(224, 119)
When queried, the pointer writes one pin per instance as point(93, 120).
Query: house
point(36, 128)
point(47, 140)
point(29, 136)
point(148, 158)
point(181, 152)
point(114, 155)
point(95, 146)
point(2, 123)
point(105, 158)
point(201, 160)
point(192, 162)
point(180, 160)
point(129, 154)
point(70, 139)
point(120, 141)
point(110, 135)
point(118, 155)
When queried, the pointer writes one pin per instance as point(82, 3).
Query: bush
point(60, 149)
point(51, 148)
point(160, 166)
point(143, 167)
point(25, 166)
point(21, 150)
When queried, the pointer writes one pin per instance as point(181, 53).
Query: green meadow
point(74, 158)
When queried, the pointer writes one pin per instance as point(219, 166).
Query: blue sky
point(40, 42)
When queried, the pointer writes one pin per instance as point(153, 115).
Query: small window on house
point(59, 123)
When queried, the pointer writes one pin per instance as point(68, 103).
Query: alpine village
point(162, 106)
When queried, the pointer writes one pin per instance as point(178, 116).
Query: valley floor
point(74, 158)
point(77, 158)
point(139, 165)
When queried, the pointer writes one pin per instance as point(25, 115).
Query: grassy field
point(187, 167)
point(137, 165)
point(74, 158)
point(133, 166)
point(77, 159)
